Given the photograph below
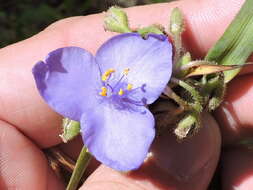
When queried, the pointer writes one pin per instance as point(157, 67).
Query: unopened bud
point(116, 20)
point(176, 22)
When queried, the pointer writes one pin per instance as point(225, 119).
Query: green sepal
point(188, 125)
point(153, 29)
point(184, 60)
point(236, 44)
point(116, 20)
point(71, 129)
point(195, 95)
point(218, 92)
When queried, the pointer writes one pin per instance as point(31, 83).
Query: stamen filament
point(125, 73)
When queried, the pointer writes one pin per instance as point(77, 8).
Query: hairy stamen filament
point(125, 73)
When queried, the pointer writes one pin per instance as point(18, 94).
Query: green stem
point(178, 49)
point(236, 44)
point(81, 164)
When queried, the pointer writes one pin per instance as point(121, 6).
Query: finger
point(20, 102)
point(22, 164)
point(186, 165)
point(235, 113)
point(237, 173)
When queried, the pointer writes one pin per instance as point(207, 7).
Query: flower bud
point(176, 22)
point(116, 21)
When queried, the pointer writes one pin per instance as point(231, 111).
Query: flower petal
point(149, 62)
point(118, 139)
point(68, 81)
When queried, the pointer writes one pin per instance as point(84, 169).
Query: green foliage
point(236, 44)
point(22, 19)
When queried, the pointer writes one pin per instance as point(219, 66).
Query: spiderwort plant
point(109, 93)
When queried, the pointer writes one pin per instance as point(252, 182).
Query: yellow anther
point(129, 86)
point(121, 92)
point(103, 91)
point(107, 74)
point(104, 78)
point(126, 71)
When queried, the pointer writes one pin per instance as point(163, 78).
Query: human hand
point(28, 124)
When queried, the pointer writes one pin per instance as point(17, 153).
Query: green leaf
point(236, 44)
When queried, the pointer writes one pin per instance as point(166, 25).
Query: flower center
point(118, 88)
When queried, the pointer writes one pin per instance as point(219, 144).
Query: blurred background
point(22, 19)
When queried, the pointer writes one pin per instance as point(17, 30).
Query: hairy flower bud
point(116, 20)
point(176, 22)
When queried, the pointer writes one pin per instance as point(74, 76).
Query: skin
point(27, 124)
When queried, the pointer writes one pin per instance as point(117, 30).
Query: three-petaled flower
point(108, 93)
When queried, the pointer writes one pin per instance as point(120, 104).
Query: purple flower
point(108, 93)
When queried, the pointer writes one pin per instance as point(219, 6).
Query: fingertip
point(235, 113)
